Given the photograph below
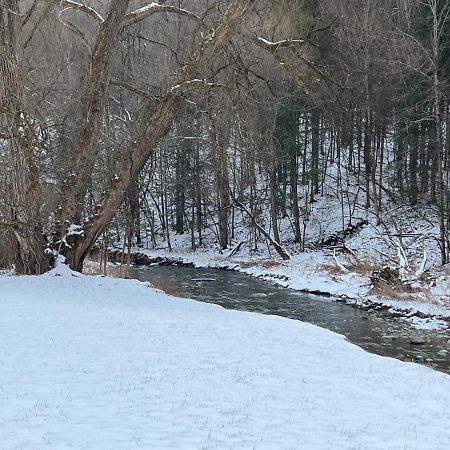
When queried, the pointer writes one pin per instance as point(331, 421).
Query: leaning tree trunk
point(92, 110)
point(158, 125)
point(22, 242)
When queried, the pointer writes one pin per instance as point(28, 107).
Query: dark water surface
point(376, 332)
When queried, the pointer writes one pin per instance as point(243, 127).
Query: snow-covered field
point(100, 363)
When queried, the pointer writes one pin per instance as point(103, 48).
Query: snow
point(75, 230)
point(279, 43)
point(146, 8)
point(101, 363)
point(310, 271)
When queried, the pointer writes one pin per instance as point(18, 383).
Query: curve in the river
point(376, 332)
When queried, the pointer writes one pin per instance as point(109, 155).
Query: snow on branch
point(298, 76)
point(421, 269)
point(153, 8)
point(197, 82)
point(271, 46)
point(80, 7)
point(342, 268)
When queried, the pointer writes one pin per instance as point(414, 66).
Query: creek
point(376, 332)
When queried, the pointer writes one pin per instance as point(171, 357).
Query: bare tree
point(83, 235)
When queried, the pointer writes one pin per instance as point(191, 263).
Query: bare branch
point(79, 7)
point(72, 27)
point(153, 8)
point(37, 23)
point(322, 29)
point(29, 13)
point(133, 89)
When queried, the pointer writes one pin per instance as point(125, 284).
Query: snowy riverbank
point(92, 362)
point(316, 271)
point(338, 259)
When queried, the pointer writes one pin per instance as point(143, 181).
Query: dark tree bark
point(22, 243)
point(274, 204)
point(315, 144)
point(424, 159)
point(135, 213)
point(180, 185)
point(276, 245)
point(413, 164)
point(368, 159)
point(295, 199)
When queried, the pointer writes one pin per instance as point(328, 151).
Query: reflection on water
point(376, 332)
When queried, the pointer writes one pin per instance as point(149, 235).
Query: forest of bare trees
point(135, 121)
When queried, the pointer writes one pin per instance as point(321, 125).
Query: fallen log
point(276, 245)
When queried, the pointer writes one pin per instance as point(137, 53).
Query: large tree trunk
point(22, 242)
point(158, 125)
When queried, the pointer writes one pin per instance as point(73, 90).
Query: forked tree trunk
point(158, 125)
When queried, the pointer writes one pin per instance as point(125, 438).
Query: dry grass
point(269, 264)
point(388, 289)
point(399, 291)
point(266, 263)
point(330, 269)
point(112, 270)
point(364, 268)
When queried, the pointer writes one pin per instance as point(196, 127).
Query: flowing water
point(376, 332)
